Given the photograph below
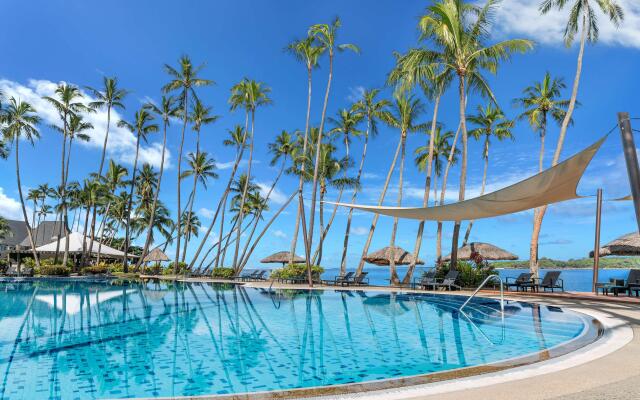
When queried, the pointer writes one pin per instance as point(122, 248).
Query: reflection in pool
point(81, 340)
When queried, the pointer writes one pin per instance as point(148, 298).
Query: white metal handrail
point(490, 277)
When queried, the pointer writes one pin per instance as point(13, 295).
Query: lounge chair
point(551, 281)
point(340, 279)
point(246, 276)
point(359, 279)
point(614, 286)
point(428, 279)
point(260, 276)
point(448, 282)
point(518, 282)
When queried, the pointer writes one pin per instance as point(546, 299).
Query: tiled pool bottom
point(85, 340)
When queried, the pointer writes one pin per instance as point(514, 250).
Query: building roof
point(76, 247)
point(45, 233)
point(17, 233)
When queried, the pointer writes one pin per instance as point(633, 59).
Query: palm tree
point(441, 149)
point(66, 102)
point(4, 228)
point(306, 51)
point(34, 196)
point(19, 122)
point(460, 30)
point(250, 95)
point(405, 111)
point(202, 168)
point(581, 17)
point(142, 127)
point(490, 122)
point(201, 115)
point(541, 101)
point(185, 79)
point(77, 126)
point(326, 35)
point(111, 96)
point(113, 180)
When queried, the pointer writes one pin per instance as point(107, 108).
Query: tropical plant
point(19, 122)
point(113, 180)
point(183, 79)
point(581, 17)
point(459, 31)
point(4, 228)
point(141, 127)
point(201, 116)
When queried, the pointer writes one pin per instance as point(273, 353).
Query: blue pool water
point(65, 339)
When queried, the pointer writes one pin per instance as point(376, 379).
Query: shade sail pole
point(596, 245)
point(631, 157)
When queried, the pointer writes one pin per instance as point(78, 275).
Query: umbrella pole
point(596, 246)
point(631, 157)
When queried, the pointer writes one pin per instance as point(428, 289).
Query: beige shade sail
point(383, 257)
point(627, 245)
point(486, 250)
point(553, 185)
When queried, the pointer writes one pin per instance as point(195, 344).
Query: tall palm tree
point(405, 111)
point(19, 122)
point(142, 127)
point(582, 18)
point(183, 79)
point(541, 101)
point(490, 122)
point(110, 97)
point(460, 30)
point(326, 35)
point(200, 116)
point(306, 51)
point(202, 168)
point(67, 103)
point(34, 196)
point(165, 111)
point(4, 228)
point(250, 95)
point(113, 180)
point(77, 127)
point(439, 153)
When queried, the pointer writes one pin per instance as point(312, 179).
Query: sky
point(46, 42)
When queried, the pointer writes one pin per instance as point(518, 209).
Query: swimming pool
point(66, 339)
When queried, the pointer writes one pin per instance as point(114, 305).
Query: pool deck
point(607, 369)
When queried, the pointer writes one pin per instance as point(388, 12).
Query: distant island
point(581, 263)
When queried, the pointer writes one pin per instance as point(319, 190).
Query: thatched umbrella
point(383, 257)
point(627, 245)
point(156, 255)
point(485, 250)
point(282, 257)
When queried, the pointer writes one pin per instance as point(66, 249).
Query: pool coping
point(607, 334)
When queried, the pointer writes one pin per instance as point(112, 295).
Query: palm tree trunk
point(106, 139)
point(244, 193)
point(443, 191)
point(24, 209)
point(372, 229)
point(192, 199)
point(217, 264)
point(463, 171)
point(537, 223)
point(345, 245)
point(127, 228)
point(152, 217)
point(325, 231)
point(179, 211)
point(101, 231)
point(62, 186)
point(321, 220)
point(294, 237)
point(312, 212)
point(484, 183)
point(427, 186)
point(392, 243)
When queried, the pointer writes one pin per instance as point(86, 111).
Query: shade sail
point(553, 185)
point(75, 246)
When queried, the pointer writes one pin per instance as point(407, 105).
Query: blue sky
point(79, 42)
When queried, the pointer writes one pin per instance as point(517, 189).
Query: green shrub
point(101, 268)
point(28, 262)
point(223, 273)
point(4, 265)
point(113, 267)
point(471, 275)
point(155, 269)
point(51, 262)
point(53, 270)
point(292, 271)
point(182, 268)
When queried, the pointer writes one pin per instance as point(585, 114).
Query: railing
point(490, 277)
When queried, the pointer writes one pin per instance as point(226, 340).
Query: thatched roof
point(156, 255)
point(282, 257)
point(486, 250)
point(383, 257)
point(627, 245)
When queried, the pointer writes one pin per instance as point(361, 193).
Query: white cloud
point(276, 197)
point(10, 207)
point(522, 17)
point(370, 175)
point(122, 142)
point(229, 164)
point(206, 213)
point(355, 93)
point(279, 234)
point(359, 230)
